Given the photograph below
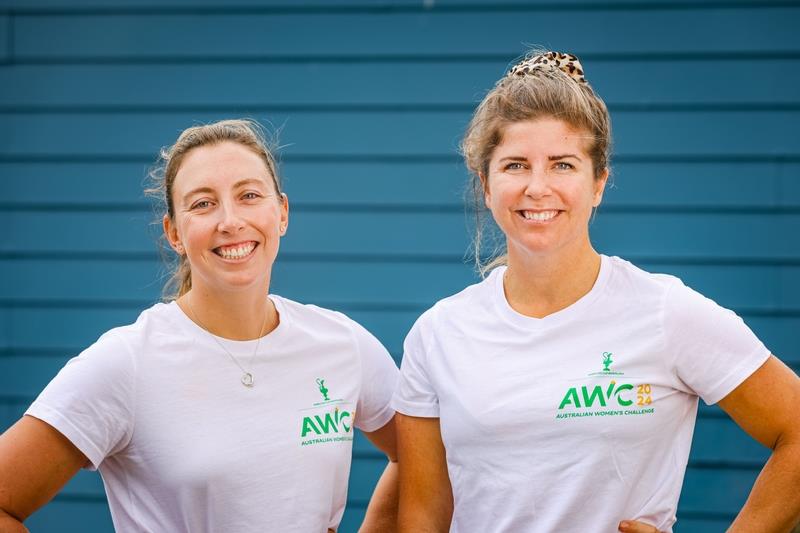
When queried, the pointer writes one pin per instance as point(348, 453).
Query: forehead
point(548, 134)
point(219, 165)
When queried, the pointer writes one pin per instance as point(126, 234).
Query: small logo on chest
point(326, 421)
point(606, 399)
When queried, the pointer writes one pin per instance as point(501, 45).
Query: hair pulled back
point(542, 85)
point(245, 132)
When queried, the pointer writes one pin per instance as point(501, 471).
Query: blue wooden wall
point(371, 99)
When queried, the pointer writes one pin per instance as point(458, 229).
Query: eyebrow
point(564, 156)
point(202, 190)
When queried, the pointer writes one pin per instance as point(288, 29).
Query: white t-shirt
point(183, 446)
point(578, 420)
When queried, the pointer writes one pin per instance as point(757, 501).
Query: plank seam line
point(121, 109)
point(500, 58)
point(389, 9)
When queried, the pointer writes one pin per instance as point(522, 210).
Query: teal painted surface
point(371, 100)
point(5, 37)
point(725, 81)
point(431, 33)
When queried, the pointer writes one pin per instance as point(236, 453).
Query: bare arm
point(35, 462)
point(767, 406)
point(381, 515)
point(426, 496)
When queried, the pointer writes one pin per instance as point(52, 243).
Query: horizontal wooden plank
point(391, 33)
point(68, 330)
point(751, 236)
point(715, 490)
point(70, 516)
point(392, 284)
point(712, 524)
point(721, 440)
point(364, 474)
point(193, 5)
point(273, 86)
point(330, 184)
point(349, 5)
point(779, 334)
point(402, 134)
point(415, 285)
point(5, 39)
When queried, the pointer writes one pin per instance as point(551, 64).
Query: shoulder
point(676, 301)
point(310, 315)
point(629, 281)
point(464, 306)
point(158, 320)
point(319, 324)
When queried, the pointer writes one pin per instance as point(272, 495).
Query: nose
point(537, 185)
point(231, 220)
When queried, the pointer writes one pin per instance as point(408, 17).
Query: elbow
point(10, 523)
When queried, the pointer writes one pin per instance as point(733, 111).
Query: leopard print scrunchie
point(567, 63)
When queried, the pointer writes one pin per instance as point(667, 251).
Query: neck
point(243, 315)
point(539, 285)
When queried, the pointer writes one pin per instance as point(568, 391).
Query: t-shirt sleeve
point(378, 381)
point(415, 394)
point(713, 349)
point(90, 401)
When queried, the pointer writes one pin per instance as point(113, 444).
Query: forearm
point(419, 517)
point(381, 515)
point(774, 502)
point(9, 524)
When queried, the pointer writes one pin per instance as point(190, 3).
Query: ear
point(284, 224)
point(171, 233)
point(599, 188)
point(487, 195)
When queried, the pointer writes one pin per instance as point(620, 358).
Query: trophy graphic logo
point(607, 361)
point(322, 388)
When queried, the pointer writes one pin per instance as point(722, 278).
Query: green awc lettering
point(308, 425)
point(571, 397)
point(327, 423)
point(596, 394)
point(342, 415)
point(620, 399)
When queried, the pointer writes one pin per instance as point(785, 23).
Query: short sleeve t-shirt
point(580, 419)
point(182, 446)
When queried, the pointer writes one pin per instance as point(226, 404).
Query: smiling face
point(542, 186)
point(228, 217)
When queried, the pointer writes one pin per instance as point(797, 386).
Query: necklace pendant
point(247, 379)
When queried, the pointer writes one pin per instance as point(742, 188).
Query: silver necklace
point(247, 377)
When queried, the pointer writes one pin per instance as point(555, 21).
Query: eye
point(563, 165)
point(251, 195)
point(201, 204)
point(514, 166)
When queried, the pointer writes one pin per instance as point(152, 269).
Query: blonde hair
point(245, 132)
point(539, 93)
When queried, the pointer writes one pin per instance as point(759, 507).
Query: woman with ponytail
point(560, 393)
point(227, 408)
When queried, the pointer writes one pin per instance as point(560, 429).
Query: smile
point(236, 251)
point(538, 216)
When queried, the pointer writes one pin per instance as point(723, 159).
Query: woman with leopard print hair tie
point(560, 393)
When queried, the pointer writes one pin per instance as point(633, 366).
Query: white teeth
point(539, 215)
point(238, 253)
